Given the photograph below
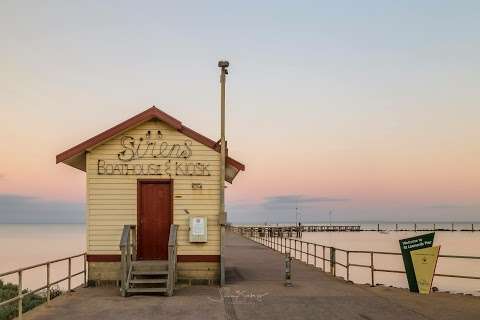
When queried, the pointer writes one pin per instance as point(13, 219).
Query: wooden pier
point(291, 231)
point(255, 290)
point(296, 231)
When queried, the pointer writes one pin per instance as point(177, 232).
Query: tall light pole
point(297, 214)
point(223, 153)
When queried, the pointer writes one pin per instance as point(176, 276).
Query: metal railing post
point(348, 265)
point(48, 282)
point(308, 250)
point(372, 270)
point(315, 255)
point(20, 300)
point(333, 261)
point(69, 274)
point(323, 258)
point(85, 270)
point(301, 250)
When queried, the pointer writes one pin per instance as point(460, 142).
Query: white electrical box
point(198, 229)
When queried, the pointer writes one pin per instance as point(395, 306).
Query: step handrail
point(172, 259)
point(128, 250)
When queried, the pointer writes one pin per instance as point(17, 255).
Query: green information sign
point(411, 244)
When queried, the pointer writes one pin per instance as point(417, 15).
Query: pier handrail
point(303, 249)
point(172, 259)
point(128, 250)
point(49, 283)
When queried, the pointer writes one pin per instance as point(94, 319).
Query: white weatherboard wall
point(112, 199)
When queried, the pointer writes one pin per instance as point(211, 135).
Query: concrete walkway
point(255, 290)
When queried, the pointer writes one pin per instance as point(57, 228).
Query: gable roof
point(75, 156)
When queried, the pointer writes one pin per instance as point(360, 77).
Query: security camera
point(223, 64)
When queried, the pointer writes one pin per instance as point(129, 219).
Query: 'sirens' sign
point(160, 152)
point(148, 147)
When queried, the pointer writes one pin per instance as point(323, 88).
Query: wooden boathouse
point(153, 212)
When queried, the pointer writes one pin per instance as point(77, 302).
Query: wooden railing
point(20, 273)
point(300, 249)
point(172, 259)
point(128, 249)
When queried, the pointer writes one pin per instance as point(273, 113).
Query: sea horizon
point(286, 222)
point(365, 222)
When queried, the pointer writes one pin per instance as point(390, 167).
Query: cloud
point(294, 200)
point(16, 208)
point(283, 209)
point(450, 206)
point(315, 209)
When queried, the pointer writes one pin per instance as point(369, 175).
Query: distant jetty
point(297, 230)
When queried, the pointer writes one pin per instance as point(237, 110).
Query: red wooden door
point(154, 219)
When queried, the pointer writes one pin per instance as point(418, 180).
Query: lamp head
point(223, 64)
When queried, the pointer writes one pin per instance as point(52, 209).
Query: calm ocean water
point(465, 243)
point(452, 243)
point(25, 245)
point(28, 244)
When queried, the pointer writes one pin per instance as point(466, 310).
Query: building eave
point(76, 158)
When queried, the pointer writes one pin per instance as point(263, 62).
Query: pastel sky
point(370, 109)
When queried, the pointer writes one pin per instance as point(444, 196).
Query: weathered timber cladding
point(112, 199)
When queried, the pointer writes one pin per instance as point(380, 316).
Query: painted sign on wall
point(411, 244)
point(169, 159)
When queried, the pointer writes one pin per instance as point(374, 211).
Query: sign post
point(407, 246)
